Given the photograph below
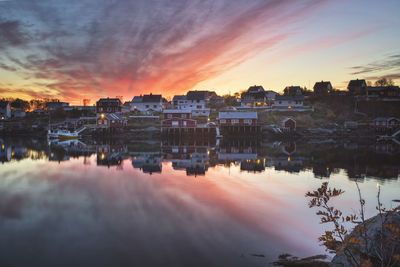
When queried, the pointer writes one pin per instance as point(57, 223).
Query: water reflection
point(378, 160)
point(175, 202)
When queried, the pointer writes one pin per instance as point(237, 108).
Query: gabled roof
point(288, 119)
point(238, 115)
point(137, 99)
point(152, 98)
point(179, 97)
point(197, 95)
point(102, 100)
point(289, 97)
point(255, 89)
point(357, 83)
point(322, 85)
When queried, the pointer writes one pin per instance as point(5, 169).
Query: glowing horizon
point(95, 49)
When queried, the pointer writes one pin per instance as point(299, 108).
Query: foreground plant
point(373, 242)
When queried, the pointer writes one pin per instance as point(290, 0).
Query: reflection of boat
point(65, 134)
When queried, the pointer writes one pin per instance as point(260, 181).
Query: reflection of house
point(73, 123)
point(255, 165)
point(357, 87)
point(108, 105)
point(5, 110)
point(289, 148)
point(148, 163)
point(289, 164)
point(288, 125)
point(322, 88)
point(382, 124)
point(5, 153)
point(147, 103)
point(321, 171)
point(288, 102)
point(110, 155)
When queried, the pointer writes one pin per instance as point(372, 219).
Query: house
point(357, 87)
point(5, 110)
point(322, 88)
point(178, 118)
point(148, 163)
point(110, 120)
point(195, 101)
point(271, 95)
point(19, 113)
point(52, 106)
point(288, 102)
point(240, 118)
point(383, 91)
point(383, 124)
point(288, 125)
point(147, 103)
point(254, 97)
point(108, 105)
point(293, 90)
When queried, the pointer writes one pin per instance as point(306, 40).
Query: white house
point(147, 103)
point(5, 110)
point(195, 101)
point(288, 102)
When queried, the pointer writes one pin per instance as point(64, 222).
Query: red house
point(386, 123)
point(178, 118)
point(108, 105)
point(288, 124)
point(110, 120)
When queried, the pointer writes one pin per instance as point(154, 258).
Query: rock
point(373, 226)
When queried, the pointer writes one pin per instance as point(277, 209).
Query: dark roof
point(151, 98)
point(197, 95)
point(357, 83)
point(255, 89)
point(109, 100)
point(289, 97)
point(3, 104)
point(322, 85)
point(179, 97)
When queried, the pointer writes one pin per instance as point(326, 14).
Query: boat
point(63, 134)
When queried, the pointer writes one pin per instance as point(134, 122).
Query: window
point(184, 123)
point(112, 121)
point(247, 121)
point(199, 107)
point(223, 121)
point(100, 122)
point(235, 121)
point(175, 123)
point(147, 106)
point(169, 115)
point(280, 102)
point(155, 106)
point(183, 116)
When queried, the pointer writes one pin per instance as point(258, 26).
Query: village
point(297, 112)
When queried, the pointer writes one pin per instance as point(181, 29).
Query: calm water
point(175, 203)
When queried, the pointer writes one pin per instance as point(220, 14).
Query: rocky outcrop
point(377, 227)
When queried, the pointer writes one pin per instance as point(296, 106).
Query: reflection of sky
point(87, 215)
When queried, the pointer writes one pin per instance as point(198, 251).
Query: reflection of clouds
point(73, 212)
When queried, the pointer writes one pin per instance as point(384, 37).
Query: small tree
point(384, 82)
point(359, 247)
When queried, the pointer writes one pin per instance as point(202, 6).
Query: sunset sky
point(96, 48)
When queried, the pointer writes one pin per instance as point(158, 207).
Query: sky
point(77, 49)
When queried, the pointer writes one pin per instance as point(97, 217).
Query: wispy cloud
point(389, 63)
point(130, 47)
